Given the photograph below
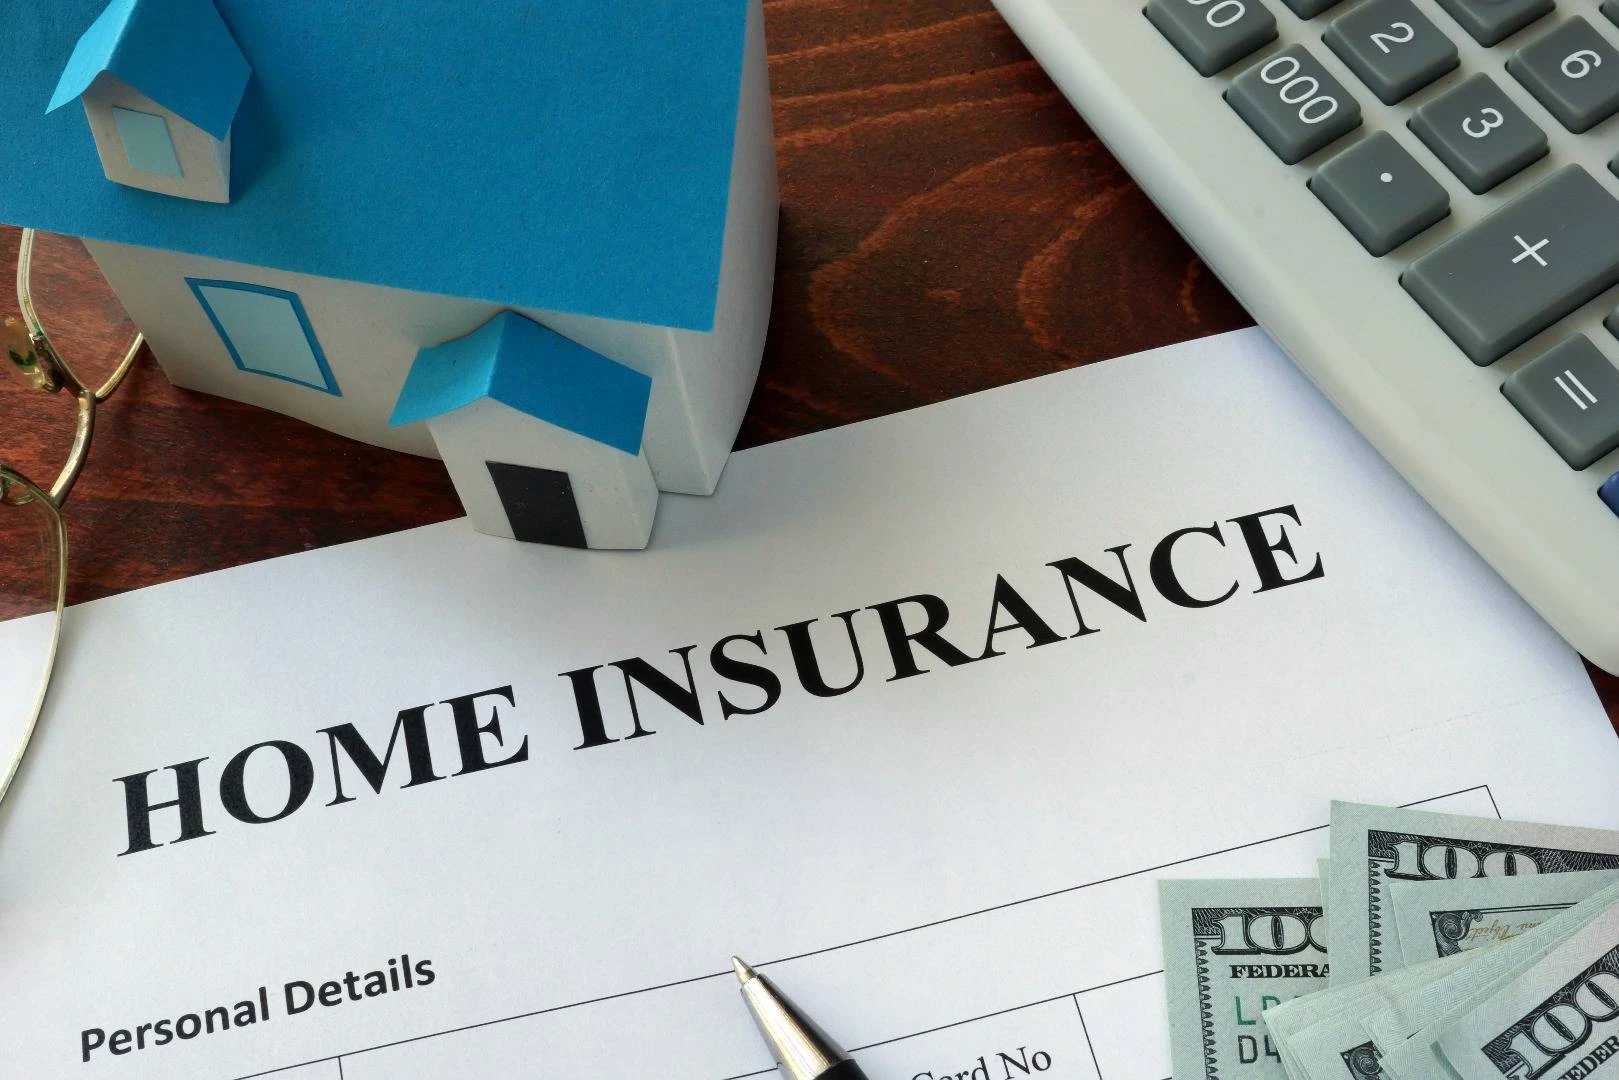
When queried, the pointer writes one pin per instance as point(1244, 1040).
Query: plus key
point(1524, 267)
point(1530, 251)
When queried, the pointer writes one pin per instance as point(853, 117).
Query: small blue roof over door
point(534, 370)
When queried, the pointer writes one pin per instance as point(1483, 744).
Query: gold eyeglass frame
point(31, 357)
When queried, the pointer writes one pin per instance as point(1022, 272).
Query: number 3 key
point(1476, 130)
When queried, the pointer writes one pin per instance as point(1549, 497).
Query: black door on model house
point(539, 504)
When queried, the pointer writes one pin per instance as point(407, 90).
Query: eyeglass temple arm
point(85, 398)
point(25, 301)
point(83, 426)
point(42, 340)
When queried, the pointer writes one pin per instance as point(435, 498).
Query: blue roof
point(572, 155)
point(179, 53)
point(520, 363)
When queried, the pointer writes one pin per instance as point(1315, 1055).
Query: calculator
point(1418, 200)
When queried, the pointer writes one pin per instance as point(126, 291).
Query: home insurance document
point(912, 715)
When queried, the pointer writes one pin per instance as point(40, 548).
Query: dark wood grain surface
point(948, 225)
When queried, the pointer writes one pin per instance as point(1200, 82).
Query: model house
point(535, 240)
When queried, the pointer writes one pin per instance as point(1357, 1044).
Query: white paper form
point(945, 866)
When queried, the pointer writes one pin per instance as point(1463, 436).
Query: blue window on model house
point(148, 146)
point(266, 332)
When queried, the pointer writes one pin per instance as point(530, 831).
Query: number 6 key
point(1294, 104)
point(1573, 71)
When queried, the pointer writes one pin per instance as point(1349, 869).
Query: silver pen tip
point(743, 971)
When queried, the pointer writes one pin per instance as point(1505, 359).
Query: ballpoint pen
point(803, 1050)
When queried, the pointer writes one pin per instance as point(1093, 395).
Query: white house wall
point(718, 369)
point(615, 492)
point(204, 160)
point(370, 335)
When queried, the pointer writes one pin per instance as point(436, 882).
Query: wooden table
point(948, 224)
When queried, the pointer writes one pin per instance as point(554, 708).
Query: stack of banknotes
point(1431, 947)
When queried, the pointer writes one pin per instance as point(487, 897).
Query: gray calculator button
point(1476, 130)
point(1309, 9)
point(1573, 71)
point(1394, 48)
point(1491, 20)
point(1522, 268)
point(1294, 104)
point(1610, 8)
point(1380, 193)
point(1213, 34)
point(1571, 396)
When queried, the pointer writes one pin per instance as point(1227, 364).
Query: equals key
point(1576, 391)
point(1571, 396)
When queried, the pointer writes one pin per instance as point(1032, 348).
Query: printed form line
point(1086, 1031)
point(729, 974)
point(1075, 995)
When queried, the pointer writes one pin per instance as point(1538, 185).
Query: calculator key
point(1380, 193)
point(1522, 268)
point(1610, 8)
point(1476, 130)
point(1213, 34)
point(1392, 46)
point(1491, 20)
point(1294, 104)
point(1610, 492)
point(1571, 396)
point(1573, 71)
point(1309, 9)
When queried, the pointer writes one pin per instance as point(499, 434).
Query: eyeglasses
point(33, 540)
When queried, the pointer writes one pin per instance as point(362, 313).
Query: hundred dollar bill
point(1374, 846)
point(1288, 1022)
point(1336, 1049)
point(1443, 918)
point(1407, 1028)
point(1559, 1019)
point(1323, 1036)
point(1232, 949)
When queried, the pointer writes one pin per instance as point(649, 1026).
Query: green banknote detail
point(1324, 1036)
point(1375, 847)
point(1443, 918)
point(1408, 1030)
point(1233, 949)
point(1559, 1018)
